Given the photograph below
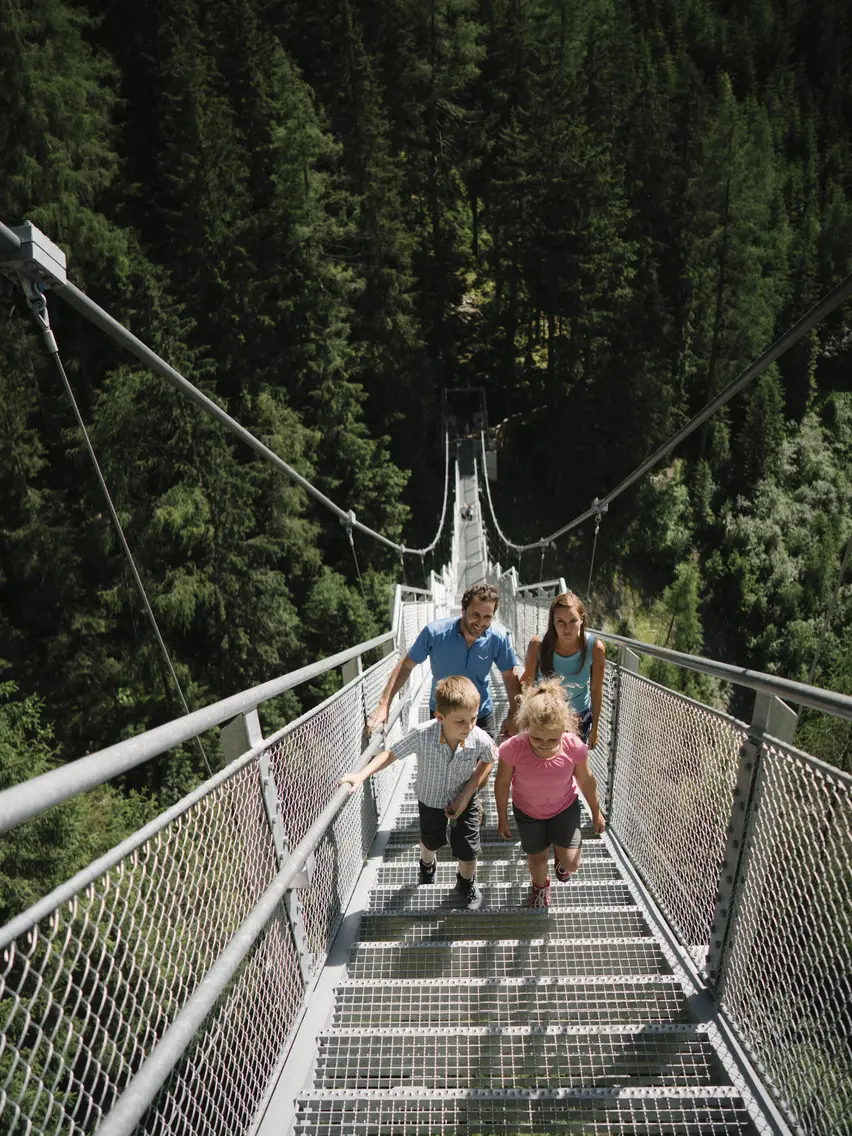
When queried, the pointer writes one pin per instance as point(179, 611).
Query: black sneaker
point(427, 872)
point(469, 892)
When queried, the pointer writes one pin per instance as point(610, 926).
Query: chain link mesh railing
point(787, 973)
point(87, 989)
point(675, 771)
point(785, 980)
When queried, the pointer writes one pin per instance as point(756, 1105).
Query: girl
point(578, 660)
point(541, 763)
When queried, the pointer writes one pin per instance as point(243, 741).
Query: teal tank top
point(574, 678)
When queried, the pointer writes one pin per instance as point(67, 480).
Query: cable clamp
point(348, 522)
point(34, 291)
point(598, 509)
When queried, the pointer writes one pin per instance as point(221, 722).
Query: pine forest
point(326, 215)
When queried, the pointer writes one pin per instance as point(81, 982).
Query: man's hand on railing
point(377, 718)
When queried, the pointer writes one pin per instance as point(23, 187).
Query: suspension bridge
point(259, 958)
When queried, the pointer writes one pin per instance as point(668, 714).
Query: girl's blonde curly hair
point(546, 705)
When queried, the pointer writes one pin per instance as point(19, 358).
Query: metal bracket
point(38, 258)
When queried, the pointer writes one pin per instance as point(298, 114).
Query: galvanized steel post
point(628, 663)
point(239, 735)
point(770, 717)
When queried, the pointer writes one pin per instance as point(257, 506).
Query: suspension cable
point(38, 305)
point(87, 307)
point(799, 329)
point(826, 625)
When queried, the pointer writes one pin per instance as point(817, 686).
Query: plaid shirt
point(442, 773)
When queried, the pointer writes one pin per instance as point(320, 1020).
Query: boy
point(454, 760)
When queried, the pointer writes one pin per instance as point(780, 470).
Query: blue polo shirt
point(444, 645)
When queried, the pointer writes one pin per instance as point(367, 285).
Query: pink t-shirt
point(541, 788)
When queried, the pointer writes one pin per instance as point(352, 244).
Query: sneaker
point(470, 893)
point(427, 872)
point(562, 874)
point(539, 896)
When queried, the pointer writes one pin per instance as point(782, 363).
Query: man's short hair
point(455, 692)
point(485, 592)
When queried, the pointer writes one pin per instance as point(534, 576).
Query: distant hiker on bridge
point(454, 760)
point(466, 646)
point(573, 656)
point(466, 512)
point(541, 764)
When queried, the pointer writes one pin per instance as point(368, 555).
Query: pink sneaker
point(562, 874)
point(540, 896)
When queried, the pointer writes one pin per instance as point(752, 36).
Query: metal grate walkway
point(506, 1020)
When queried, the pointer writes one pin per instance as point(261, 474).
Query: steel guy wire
point(355, 558)
point(797, 331)
point(39, 309)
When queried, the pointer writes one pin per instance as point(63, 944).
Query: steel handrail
point(157, 1066)
point(828, 701)
point(32, 798)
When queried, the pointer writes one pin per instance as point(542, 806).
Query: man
point(466, 646)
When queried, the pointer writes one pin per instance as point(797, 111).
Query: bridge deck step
point(498, 896)
point(506, 958)
point(408, 832)
point(461, 1003)
point(520, 923)
point(401, 873)
point(624, 1112)
point(408, 850)
point(517, 1059)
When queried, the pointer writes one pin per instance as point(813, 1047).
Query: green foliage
point(323, 214)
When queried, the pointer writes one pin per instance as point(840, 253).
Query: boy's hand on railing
point(377, 718)
point(503, 828)
point(599, 823)
point(352, 781)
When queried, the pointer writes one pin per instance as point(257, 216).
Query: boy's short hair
point(456, 693)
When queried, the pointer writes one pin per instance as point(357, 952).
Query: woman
point(574, 657)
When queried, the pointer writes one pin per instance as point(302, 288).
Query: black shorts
point(464, 833)
point(537, 835)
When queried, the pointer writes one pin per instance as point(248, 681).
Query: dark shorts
point(563, 830)
point(585, 725)
point(464, 833)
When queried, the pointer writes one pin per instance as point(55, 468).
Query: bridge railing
point(744, 844)
point(93, 976)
